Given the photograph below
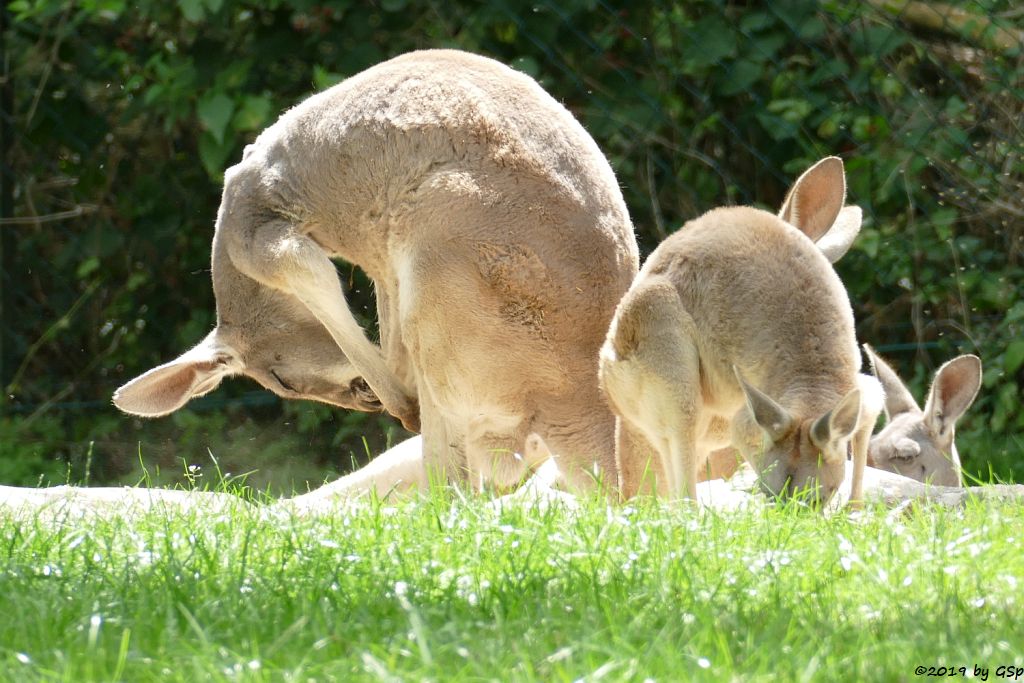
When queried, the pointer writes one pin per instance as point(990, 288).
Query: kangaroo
point(645, 476)
point(496, 237)
point(737, 331)
point(919, 443)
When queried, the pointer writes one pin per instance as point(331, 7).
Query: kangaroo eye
point(284, 385)
point(900, 456)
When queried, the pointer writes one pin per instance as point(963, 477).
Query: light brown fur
point(739, 319)
point(496, 237)
point(920, 443)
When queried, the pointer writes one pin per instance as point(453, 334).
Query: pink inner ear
point(164, 389)
point(846, 415)
point(816, 198)
point(179, 383)
point(957, 383)
point(818, 203)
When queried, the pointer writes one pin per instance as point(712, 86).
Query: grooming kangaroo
point(919, 443)
point(496, 237)
point(737, 331)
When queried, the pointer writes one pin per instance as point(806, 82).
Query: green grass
point(446, 589)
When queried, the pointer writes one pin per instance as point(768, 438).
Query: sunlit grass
point(444, 588)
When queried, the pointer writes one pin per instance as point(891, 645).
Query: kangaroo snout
point(811, 490)
point(362, 397)
point(363, 394)
point(359, 396)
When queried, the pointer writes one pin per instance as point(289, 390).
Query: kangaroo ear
point(955, 386)
point(838, 423)
point(813, 203)
point(898, 399)
point(839, 238)
point(168, 387)
point(768, 414)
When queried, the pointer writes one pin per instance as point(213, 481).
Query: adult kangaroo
point(497, 240)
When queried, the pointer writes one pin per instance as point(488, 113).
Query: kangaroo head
point(919, 443)
point(795, 456)
point(262, 334)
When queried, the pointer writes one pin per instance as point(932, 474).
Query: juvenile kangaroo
point(919, 443)
point(497, 240)
point(645, 476)
point(737, 331)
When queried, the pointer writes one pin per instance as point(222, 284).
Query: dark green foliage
point(126, 114)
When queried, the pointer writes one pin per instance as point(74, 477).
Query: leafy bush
point(27, 452)
point(125, 115)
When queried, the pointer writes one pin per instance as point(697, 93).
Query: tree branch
point(954, 21)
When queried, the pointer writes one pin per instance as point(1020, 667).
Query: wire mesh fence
point(118, 119)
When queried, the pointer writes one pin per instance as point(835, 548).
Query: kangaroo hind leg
point(650, 370)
